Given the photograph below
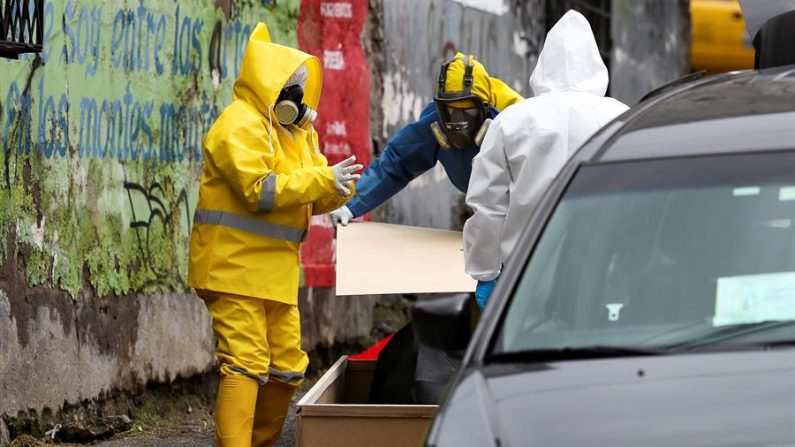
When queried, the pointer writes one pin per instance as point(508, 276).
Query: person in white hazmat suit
point(530, 142)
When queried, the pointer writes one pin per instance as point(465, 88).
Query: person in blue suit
point(449, 131)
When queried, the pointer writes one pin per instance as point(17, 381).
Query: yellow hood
point(491, 90)
point(267, 66)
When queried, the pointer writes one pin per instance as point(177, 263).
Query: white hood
point(529, 142)
point(570, 60)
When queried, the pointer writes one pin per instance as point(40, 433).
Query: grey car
point(651, 300)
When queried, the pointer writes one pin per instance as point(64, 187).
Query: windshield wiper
point(735, 332)
point(572, 353)
point(776, 343)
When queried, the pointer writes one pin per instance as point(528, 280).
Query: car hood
point(717, 399)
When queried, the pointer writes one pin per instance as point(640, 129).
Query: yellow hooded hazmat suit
point(261, 183)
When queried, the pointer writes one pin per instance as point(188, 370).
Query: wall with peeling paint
point(651, 46)
point(59, 351)
point(506, 35)
point(333, 30)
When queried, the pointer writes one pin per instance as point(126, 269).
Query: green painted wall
point(101, 136)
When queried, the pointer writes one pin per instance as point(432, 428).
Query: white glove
point(344, 175)
point(341, 215)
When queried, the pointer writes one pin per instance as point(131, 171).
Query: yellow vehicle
point(720, 41)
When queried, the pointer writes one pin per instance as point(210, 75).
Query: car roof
point(734, 112)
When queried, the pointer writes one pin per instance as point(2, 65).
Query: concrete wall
point(56, 351)
point(651, 46)
point(505, 35)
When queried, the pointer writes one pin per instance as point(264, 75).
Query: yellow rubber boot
point(273, 401)
point(234, 411)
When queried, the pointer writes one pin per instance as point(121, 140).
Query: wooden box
point(335, 412)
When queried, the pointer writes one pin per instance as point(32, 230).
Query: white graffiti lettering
point(343, 149)
point(336, 128)
point(333, 60)
point(336, 10)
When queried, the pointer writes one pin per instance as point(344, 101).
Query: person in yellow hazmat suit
point(263, 179)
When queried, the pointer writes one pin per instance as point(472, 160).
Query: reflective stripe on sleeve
point(268, 194)
point(243, 223)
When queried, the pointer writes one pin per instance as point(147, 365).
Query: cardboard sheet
point(375, 258)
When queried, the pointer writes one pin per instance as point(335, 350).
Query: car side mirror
point(445, 323)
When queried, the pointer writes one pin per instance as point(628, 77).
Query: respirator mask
point(463, 116)
point(290, 109)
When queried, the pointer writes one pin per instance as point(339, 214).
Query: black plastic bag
point(435, 370)
point(395, 370)
point(407, 374)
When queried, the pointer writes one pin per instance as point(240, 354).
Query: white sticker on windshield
point(746, 191)
point(786, 193)
point(755, 298)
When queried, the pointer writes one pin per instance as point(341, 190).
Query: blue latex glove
point(483, 291)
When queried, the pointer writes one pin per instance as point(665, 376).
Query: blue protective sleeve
point(483, 292)
point(412, 151)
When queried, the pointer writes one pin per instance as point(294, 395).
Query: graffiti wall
point(505, 35)
point(332, 30)
point(101, 133)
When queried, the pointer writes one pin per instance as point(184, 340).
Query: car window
point(662, 253)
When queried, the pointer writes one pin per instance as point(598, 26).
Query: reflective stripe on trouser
point(249, 224)
point(257, 338)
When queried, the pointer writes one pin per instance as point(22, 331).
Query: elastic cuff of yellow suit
point(230, 370)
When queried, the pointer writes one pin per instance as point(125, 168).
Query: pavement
point(195, 436)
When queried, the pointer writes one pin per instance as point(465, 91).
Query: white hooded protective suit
point(530, 142)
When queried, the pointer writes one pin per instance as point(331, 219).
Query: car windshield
point(672, 254)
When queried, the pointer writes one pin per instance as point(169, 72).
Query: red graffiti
point(448, 51)
point(330, 30)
